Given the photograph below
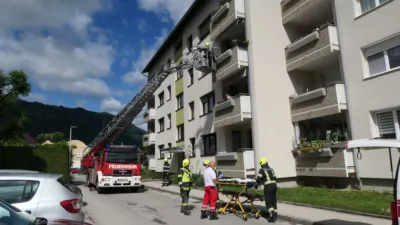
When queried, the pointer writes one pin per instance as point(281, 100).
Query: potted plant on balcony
point(311, 146)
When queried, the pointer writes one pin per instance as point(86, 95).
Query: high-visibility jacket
point(266, 176)
point(166, 167)
point(185, 178)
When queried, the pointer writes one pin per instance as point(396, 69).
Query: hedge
point(44, 158)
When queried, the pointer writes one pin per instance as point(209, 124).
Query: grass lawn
point(353, 200)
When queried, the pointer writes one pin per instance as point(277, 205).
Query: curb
point(262, 209)
point(330, 209)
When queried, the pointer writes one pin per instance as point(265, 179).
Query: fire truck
point(110, 166)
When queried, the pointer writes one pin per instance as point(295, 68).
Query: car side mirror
point(40, 221)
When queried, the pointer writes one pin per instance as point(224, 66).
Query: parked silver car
point(11, 215)
point(42, 195)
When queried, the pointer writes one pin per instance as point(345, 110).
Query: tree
point(12, 86)
point(53, 137)
point(57, 137)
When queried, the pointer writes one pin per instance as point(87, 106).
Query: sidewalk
point(288, 212)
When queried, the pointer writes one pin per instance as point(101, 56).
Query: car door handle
point(28, 211)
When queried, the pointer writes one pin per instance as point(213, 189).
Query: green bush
point(147, 174)
point(44, 158)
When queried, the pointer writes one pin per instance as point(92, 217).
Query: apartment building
point(291, 82)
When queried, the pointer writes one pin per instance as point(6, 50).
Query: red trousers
point(210, 196)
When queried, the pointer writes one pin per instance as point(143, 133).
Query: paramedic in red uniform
point(210, 191)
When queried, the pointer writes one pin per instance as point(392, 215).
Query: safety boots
point(182, 210)
point(213, 216)
point(273, 217)
point(203, 214)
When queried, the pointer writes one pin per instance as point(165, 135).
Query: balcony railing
point(311, 51)
point(232, 111)
point(231, 62)
point(149, 115)
point(237, 164)
point(149, 139)
point(226, 16)
point(301, 12)
point(318, 103)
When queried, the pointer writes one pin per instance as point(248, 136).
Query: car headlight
point(107, 180)
point(137, 179)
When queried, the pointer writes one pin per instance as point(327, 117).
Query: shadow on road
point(77, 182)
point(338, 222)
point(84, 204)
point(124, 191)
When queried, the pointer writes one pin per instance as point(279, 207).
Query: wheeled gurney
point(235, 188)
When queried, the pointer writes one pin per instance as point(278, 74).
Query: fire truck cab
point(115, 167)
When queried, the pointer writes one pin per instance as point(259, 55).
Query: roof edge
point(171, 34)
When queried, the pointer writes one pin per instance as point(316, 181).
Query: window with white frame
point(181, 132)
point(207, 102)
point(384, 61)
point(367, 5)
point(179, 101)
point(190, 80)
point(161, 99)
point(169, 121)
point(388, 124)
point(169, 92)
point(191, 109)
point(161, 125)
point(160, 148)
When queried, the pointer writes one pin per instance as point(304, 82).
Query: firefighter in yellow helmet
point(165, 173)
point(185, 183)
point(266, 176)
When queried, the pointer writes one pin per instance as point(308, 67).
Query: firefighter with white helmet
point(266, 176)
point(185, 183)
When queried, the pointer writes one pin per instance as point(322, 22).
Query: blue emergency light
point(135, 147)
point(108, 147)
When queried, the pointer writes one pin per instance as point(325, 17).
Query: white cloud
point(142, 25)
point(135, 75)
point(56, 44)
point(80, 103)
point(33, 97)
point(111, 105)
point(166, 9)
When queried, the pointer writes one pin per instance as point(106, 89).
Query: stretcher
point(235, 188)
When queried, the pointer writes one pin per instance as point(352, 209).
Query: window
point(191, 107)
point(169, 121)
point(193, 145)
point(189, 43)
point(210, 144)
point(236, 140)
point(161, 147)
point(16, 191)
point(178, 52)
point(204, 28)
point(387, 123)
point(179, 74)
point(169, 92)
point(168, 155)
point(384, 61)
point(207, 103)
point(181, 132)
point(179, 101)
point(190, 71)
point(161, 99)
point(367, 5)
point(161, 125)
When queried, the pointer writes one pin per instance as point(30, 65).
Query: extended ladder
point(201, 60)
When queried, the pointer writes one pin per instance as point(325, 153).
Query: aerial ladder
point(200, 58)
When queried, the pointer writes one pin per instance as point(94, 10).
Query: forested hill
point(49, 119)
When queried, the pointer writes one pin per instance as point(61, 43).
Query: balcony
point(149, 115)
point(149, 139)
point(232, 111)
point(306, 12)
point(314, 51)
point(238, 164)
point(231, 62)
point(226, 16)
point(321, 102)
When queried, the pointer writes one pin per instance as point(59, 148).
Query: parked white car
point(42, 195)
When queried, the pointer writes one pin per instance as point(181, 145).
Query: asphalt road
point(149, 207)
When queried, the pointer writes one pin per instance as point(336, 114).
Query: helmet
point(263, 161)
point(206, 162)
point(207, 44)
point(165, 160)
point(185, 162)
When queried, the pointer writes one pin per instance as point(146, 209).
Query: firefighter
point(185, 182)
point(266, 176)
point(210, 191)
point(165, 174)
point(219, 175)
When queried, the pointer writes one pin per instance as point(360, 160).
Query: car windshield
point(12, 215)
point(122, 157)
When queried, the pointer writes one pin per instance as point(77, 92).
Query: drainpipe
point(356, 167)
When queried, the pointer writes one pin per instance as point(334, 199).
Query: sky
point(85, 53)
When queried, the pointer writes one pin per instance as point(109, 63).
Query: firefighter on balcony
point(210, 191)
point(266, 176)
point(165, 174)
point(185, 183)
